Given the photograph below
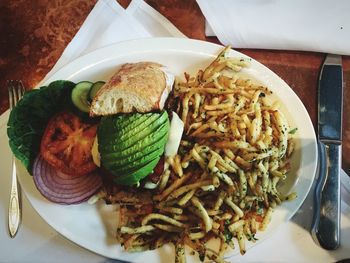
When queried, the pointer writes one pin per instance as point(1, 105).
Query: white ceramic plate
point(93, 226)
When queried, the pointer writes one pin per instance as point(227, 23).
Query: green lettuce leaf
point(28, 120)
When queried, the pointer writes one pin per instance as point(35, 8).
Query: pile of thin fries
point(222, 184)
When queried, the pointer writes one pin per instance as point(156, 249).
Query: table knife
point(326, 221)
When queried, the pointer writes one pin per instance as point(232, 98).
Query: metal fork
point(16, 91)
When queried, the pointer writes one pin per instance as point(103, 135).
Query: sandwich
point(135, 132)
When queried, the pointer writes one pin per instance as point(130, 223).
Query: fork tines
point(16, 91)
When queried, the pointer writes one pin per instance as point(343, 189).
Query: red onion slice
point(62, 188)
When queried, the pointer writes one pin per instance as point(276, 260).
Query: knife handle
point(326, 220)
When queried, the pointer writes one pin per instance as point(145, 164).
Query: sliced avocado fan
point(131, 145)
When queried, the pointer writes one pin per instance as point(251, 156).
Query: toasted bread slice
point(135, 87)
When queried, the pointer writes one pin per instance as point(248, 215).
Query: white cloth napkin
point(110, 23)
point(310, 25)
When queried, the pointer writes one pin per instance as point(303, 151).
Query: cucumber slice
point(95, 87)
point(80, 95)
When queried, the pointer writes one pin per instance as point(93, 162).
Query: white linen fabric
point(309, 25)
point(110, 23)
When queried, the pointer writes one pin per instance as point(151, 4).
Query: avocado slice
point(134, 144)
point(118, 160)
point(125, 119)
point(152, 122)
point(111, 124)
point(135, 176)
point(124, 138)
point(124, 123)
point(129, 170)
point(135, 165)
point(116, 122)
point(140, 158)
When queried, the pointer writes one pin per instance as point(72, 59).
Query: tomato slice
point(67, 142)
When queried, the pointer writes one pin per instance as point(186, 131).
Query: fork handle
point(15, 205)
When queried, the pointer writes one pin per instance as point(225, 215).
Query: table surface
point(36, 33)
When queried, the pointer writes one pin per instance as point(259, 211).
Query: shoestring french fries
point(222, 184)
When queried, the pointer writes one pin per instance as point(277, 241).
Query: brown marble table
point(35, 33)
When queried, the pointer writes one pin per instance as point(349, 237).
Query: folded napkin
point(110, 23)
point(321, 26)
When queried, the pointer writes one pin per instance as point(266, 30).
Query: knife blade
point(326, 219)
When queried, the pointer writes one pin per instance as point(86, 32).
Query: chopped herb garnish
point(293, 131)
point(251, 237)
point(182, 151)
point(227, 234)
point(260, 211)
